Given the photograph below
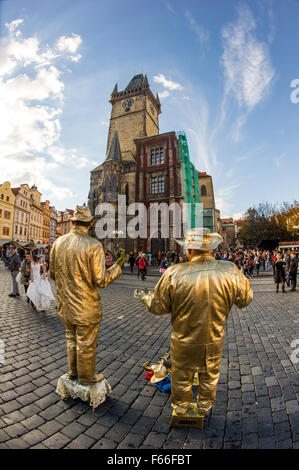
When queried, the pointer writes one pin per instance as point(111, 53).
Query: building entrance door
point(158, 244)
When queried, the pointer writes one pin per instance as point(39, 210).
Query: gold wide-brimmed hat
point(200, 239)
point(159, 370)
point(82, 214)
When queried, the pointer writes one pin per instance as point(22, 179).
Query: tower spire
point(145, 81)
point(115, 90)
point(114, 151)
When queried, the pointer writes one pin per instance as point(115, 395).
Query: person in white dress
point(39, 290)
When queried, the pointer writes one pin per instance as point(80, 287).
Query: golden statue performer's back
point(199, 295)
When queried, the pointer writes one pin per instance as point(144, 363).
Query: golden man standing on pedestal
point(77, 264)
point(199, 295)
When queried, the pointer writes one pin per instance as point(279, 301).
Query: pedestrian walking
point(131, 261)
point(14, 266)
point(293, 271)
point(142, 266)
point(279, 268)
point(25, 273)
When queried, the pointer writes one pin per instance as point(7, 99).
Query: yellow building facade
point(7, 203)
point(46, 221)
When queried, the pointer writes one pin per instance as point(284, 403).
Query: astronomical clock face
point(127, 104)
point(152, 109)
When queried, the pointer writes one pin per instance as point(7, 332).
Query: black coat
point(279, 271)
point(293, 266)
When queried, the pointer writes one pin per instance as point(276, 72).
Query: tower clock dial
point(127, 104)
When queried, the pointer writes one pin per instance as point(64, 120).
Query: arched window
point(107, 184)
point(203, 190)
point(127, 194)
point(114, 189)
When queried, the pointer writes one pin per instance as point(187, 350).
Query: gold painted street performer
point(77, 264)
point(199, 295)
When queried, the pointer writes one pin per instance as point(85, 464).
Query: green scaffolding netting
point(190, 183)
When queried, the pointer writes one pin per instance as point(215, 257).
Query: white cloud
point(13, 25)
point(201, 33)
point(246, 60)
point(164, 94)
point(170, 84)
point(71, 45)
point(224, 199)
point(31, 102)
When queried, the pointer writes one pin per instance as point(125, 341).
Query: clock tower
point(134, 115)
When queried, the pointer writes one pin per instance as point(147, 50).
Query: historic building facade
point(53, 224)
point(36, 216)
point(63, 222)
point(46, 221)
point(142, 165)
point(21, 213)
point(211, 215)
point(7, 202)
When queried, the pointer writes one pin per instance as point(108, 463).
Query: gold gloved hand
point(121, 257)
point(139, 293)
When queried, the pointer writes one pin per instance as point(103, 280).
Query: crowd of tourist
point(283, 263)
point(33, 267)
point(30, 269)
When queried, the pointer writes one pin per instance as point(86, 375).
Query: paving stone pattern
point(257, 397)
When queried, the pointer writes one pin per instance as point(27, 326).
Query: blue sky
point(223, 71)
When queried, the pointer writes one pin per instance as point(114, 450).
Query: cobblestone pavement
point(257, 399)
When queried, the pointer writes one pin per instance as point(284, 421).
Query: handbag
point(19, 277)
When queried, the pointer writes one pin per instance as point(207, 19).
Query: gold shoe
point(204, 406)
point(181, 410)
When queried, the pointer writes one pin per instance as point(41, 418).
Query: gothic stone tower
point(135, 114)
point(142, 164)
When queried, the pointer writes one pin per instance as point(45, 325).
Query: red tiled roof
point(15, 190)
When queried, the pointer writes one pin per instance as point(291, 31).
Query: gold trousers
point(81, 343)
point(181, 387)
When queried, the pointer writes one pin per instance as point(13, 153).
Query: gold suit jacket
point(199, 296)
point(77, 264)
